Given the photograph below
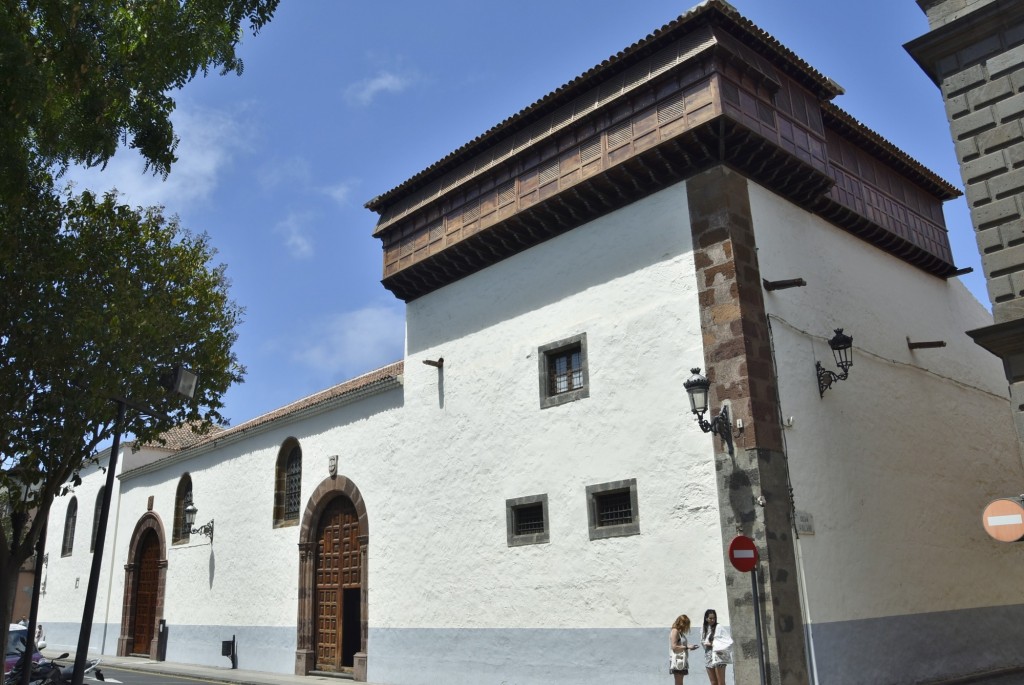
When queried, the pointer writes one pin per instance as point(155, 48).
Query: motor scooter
point(50, 671)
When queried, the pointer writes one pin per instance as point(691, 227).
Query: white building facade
point(526, 497)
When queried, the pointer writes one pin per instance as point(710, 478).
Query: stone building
point(975, 54)
point(526, 497)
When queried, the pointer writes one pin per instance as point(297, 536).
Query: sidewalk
point(214, 673)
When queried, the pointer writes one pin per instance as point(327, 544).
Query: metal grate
point(293, 484)
point(565, 371)
point(614, 508)
point(528, 519)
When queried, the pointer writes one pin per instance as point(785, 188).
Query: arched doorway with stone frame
point(145, 580)
point(333, 540)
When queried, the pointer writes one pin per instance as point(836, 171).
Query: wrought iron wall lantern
point(190, 518)
point(697, 388)
point(842, 350)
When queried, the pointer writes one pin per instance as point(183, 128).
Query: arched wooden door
point(338, 586)
point(146, 593)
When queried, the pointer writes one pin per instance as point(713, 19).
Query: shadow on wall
point(648, 232)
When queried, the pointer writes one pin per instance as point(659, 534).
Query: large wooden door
point(146, 593)
point(337, 586)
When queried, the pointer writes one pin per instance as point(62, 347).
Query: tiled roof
point(185, 436)
point(350, 387)
point(187, 444)
point(757, 37)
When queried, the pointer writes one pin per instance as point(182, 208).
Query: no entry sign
point(743, 553)
point(1004, 520)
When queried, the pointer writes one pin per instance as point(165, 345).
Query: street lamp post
point(181, 381)
point(21, 519)
point(97, 554)
point(33, 612)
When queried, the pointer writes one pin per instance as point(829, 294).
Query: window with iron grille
point(96, 513)
point(527, 520)
point(180, 532)
point(70, 518)
point(564, 376)
point(288, 484)
point(612, 509)
point(293, 482)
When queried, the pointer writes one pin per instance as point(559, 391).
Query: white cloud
point(348, 344)
point(294, 170)
point(340, 191)
point(209, 140)
point(296, 237)
point(364, 92)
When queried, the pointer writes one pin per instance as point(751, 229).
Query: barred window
point(288, 484)
point(527, 520)
point(70, 519)
point(612, 509)
point(292, 491)
point(180, 533)
point(564, 376)
point(566, 373)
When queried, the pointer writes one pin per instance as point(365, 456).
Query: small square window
point(564, 376)
point(612, 509)
point(527, 520)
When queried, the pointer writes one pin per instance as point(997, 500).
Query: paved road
point(116, 676)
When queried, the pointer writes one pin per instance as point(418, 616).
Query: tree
point(97, 299)
point(79, 76)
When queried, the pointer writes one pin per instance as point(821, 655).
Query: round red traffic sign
point(743, 553)
point(1004, 520)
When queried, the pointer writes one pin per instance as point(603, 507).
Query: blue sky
point(341, 101)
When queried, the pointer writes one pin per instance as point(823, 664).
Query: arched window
point(96, 513)
point(69, 528)
point(288, 484)
point(182, 499)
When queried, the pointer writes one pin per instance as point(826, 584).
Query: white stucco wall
point(245, 583)
point(627, 281)
point(66, 578)
point(896, 463)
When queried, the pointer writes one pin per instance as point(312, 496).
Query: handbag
point(680, 661)
point(721, 650)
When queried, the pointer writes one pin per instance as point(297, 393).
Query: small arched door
point(146, 593)
point(338, 586)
